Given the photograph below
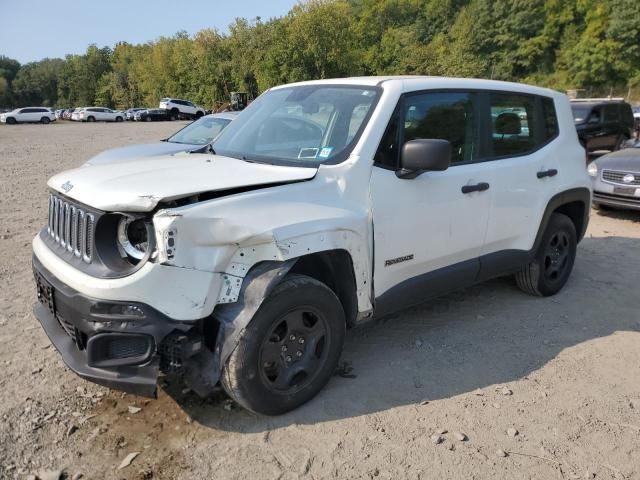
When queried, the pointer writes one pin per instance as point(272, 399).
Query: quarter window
point(513, 117)
point(550, 119)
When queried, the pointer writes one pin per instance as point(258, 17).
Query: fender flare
point(204, 370)
point(581, 194)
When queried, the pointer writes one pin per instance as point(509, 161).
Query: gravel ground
point(483, 383)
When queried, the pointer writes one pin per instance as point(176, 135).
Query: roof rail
point(605, 99)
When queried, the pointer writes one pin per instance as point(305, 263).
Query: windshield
point(580, 113)
point(302, 125)
point(201, 131)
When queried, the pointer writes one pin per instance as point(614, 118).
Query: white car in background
point(28, 115)
point(181, 108)
point(97, 114)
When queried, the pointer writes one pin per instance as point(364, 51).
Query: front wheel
point(118, 119)
point(550, 268)
point(45, 120)
point(289, 350)
point(11, 121)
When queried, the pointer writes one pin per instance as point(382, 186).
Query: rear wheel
point(290, 349)
point(174, 114)
point(45, 120)
point(553, 262)
point(198, 115)
point(620, 142)
point(91, 119)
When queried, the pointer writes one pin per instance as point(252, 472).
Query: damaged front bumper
point(121, 345)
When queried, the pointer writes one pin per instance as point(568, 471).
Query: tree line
point(562, 44)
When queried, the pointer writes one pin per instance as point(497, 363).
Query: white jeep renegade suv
point(324, 204)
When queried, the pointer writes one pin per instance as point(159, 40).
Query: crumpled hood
point(131, 152)
point(138, 185)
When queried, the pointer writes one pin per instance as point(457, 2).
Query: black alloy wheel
point(556, 255)
point(290, 348)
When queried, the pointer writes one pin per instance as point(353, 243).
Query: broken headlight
point(135, 239)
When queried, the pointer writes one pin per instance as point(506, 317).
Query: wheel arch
point(575, 204)
point(334, 268)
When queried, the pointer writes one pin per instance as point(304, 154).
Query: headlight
point(135, 238)
point(592, 169)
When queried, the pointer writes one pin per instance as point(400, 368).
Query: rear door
point(428, 234)
point(525, 174)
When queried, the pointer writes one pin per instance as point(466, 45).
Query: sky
point(31, 30)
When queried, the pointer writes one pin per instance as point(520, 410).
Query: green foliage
point(588, 44)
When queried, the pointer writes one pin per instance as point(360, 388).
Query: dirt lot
point(541, 388)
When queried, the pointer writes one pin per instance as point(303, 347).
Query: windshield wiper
point(208, 148)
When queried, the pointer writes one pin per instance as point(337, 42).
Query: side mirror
point(423, 155)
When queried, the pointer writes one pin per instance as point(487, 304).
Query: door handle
point(547, 173)
point(478, 187)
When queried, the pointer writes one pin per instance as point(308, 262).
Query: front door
point(429, 233)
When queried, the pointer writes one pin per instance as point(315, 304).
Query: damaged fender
point(205, 369)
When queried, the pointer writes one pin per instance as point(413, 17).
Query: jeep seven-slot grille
point(71, 227)
point(617, 177)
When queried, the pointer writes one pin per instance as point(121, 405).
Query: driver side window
point(439, 115)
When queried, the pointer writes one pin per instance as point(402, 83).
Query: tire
point(147, 119)
point(619, 142)
point(289, 350)
point(11, 121)
point(45, 120)
point(552, 264)
point(174, 114)
point(91, 119)
point(118, 119)
point(198, 115)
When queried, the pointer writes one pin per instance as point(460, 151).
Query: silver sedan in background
point(616, 179)
point(195, 135)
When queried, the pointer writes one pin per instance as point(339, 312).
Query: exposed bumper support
point(115, 344)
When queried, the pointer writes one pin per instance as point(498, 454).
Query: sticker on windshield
point(308, 153)
point(325, 152)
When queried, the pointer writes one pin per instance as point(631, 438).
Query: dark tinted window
point(513, 117)
point(550, 127)
point(611, 112)
point(595, 116)
point(27, 110)
point(626, 114)
point(446, 116)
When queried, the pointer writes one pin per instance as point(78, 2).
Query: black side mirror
point(423, 155)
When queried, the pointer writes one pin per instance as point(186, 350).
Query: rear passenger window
point(513, 117)
point(550, 127)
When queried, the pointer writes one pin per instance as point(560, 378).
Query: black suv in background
point(602, 124)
